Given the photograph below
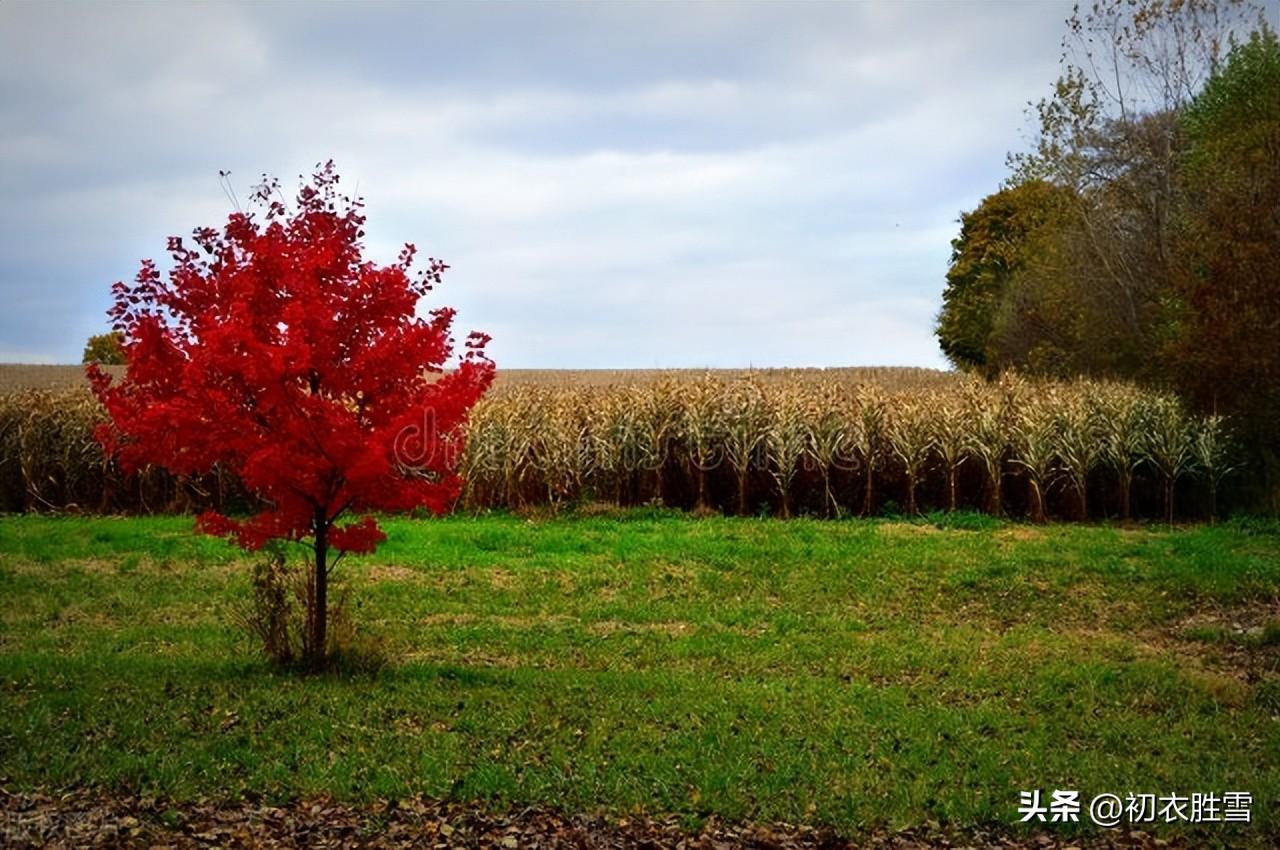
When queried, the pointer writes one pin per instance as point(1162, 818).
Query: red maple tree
point(274, 351)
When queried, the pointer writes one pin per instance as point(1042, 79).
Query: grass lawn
point(858, 674)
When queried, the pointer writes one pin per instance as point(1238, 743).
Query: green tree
point(995, 242)
point(1225, 340)
point(106, 349)
point(1095, 297)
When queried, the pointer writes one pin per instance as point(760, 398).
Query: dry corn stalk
point(1169, 445)
point(745, 423)
point(786, 439)
point(910, 436)
point(1211, 452)
point(831, 436)
point(1035, 435)
point(950, 433)
point(989, 415)
point(1079, 439)
point(1125, 416)
point(869, 439)
point(701, 430)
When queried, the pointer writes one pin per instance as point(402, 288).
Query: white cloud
point(713, 185)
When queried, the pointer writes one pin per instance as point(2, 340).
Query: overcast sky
point(615, 185)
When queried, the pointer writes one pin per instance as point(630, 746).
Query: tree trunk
point(221, 498)
point(1168, 498)
point(318, 616)
point(911, 493)
point(181, 501)
point(952, 473)
point(742, 493)
point(104, 504)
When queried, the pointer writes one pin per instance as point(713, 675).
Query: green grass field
point(858, 674)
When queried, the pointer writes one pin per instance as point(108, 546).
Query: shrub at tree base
point(276, 617)
point(274, 352)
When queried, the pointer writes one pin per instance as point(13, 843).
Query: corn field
point(810, 442)
point(50, 461)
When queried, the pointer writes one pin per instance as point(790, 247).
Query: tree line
point(1139, 237)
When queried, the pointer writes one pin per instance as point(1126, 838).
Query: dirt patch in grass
point(1226, 672)
point(1224, 689)
point(123, 565)
point(83, 819)
point(475, 660)
point(1021, 534)
point(1242, 640)
point(391, 572)
point(506, 621)
point(900, 530)
point(105, 566)
point(669, 580)
point(606, 628)
point(1251, 619)
point(91, 566)
point(80, 615)
point(500, 579)
point(600, 509)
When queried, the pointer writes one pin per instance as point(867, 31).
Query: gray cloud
point(614, 184)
